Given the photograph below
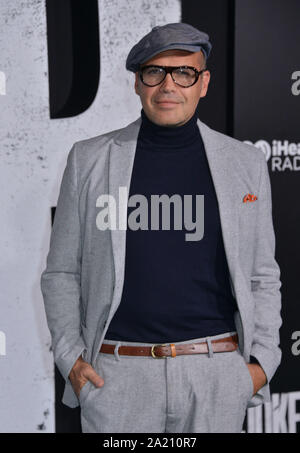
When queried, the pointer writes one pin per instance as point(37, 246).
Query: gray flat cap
point(170, 36)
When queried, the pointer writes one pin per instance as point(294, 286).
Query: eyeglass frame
point(169, 70)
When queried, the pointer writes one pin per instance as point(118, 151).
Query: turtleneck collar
point(169, 137)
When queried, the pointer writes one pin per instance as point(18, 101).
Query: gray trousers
point(196, 393)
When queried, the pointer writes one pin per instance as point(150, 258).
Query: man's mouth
point(167, 103)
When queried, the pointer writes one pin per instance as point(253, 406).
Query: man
point(155, 329)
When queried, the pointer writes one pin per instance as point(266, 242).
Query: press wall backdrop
point(60, 64)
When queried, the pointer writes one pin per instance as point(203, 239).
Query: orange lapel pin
point(249, 197)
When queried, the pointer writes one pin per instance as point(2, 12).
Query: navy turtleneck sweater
point(174, 290)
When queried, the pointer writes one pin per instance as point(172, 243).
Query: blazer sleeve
point(60, 281)
point(265, 283)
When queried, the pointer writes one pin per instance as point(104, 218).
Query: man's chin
point(167, 118)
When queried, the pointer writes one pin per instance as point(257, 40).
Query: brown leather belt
point(160, 351)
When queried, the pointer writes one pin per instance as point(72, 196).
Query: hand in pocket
point(81, 373)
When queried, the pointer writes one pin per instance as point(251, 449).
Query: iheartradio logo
point(282, 154)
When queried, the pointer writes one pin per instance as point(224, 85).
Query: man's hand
point(81, 373)
point(259, 378)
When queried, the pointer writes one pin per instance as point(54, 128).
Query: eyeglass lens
point(183, 76)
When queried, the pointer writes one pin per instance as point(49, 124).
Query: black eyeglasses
point(184, 76)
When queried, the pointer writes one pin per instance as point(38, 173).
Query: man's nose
point(168, 83)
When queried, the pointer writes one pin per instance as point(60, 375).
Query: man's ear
point(136, 83)
point(205, 83)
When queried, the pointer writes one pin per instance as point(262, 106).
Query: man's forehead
point(176, 54)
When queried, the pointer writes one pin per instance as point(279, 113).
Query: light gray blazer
point(83, 280)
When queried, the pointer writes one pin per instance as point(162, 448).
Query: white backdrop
point(33, 152)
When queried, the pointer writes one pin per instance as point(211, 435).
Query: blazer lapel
point(221, 164)
point(120, 170)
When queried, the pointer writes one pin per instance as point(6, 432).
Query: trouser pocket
point(247, 378)
point(84, 392)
